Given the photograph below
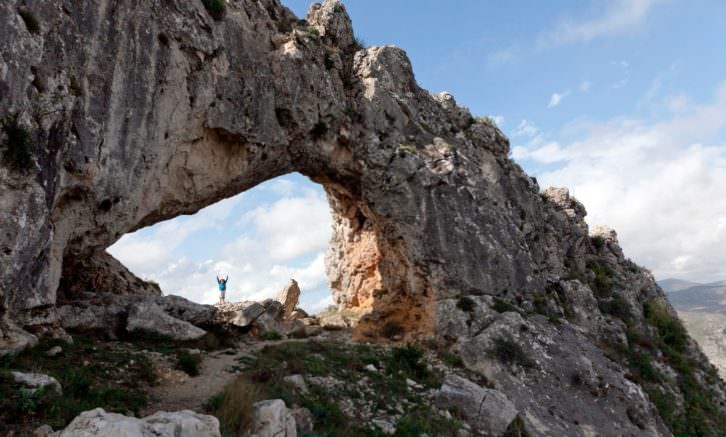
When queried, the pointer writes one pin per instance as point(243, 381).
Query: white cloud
point(498, 119)
point(556, 99)
point(525, 129)
point(620, 17)
point(501, 57)
point(585, 86)
point(659, 184)
point(281, 239)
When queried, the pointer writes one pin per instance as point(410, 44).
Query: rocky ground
point(327, 384)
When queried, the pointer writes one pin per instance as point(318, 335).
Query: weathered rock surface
point(161, 424)
point(288, 297)
point(151, 317)
point(141, 111)
point(37, 380)
point(489, 411)
point(273, 419)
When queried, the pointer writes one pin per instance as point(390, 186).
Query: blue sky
point(622, 101)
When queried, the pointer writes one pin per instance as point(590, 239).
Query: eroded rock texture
point(140, 111)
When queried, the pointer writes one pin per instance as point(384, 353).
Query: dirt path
point(177, 391)
point(191, 393)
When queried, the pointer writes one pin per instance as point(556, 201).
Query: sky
point(621, 101)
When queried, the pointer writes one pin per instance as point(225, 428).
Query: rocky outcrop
point(288, 297)
point(273, 419)
point(136, 112)
point(162, 424)
point(150, 317)
point(37, 381)
point(489, 411)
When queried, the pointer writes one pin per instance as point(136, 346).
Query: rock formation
point(288, 297)
point(180, 423)
point(118, 115)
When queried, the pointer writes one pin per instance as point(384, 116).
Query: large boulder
point(273, 419)
point(241, 314)
point(184, 309)
point(161, 424)
point(288, 297)
point(149, 316)
point(487, 411)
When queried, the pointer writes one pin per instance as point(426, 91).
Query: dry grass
point(236, 412)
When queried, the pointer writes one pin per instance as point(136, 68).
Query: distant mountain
point(710, 298)
point(671, 285)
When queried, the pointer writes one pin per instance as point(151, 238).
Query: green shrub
point(312, 32)
point(188, 363)
point(423, 421)
point(17, 143)
point(602, 283)
point(502, 306)
point(598, 242)
point(618, 307)
point(271, 336)
point(670, 329)
point(466, 304)
point(509, 352)
point(215, 8)
point(392, 330)
point(451, 360)
point(516, 429)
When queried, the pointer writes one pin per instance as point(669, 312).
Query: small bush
point(509, 352)
point(671, 331)
point(599, 242)
point(618, 307)
point(188, 363)
point(235, 410)
point(466, 304)
point(502, 306)
point(602, 283)
point(215, 8)
point(31, 23)
point(516, 429)
point(406, 148)
point(312, 32)
point(392, 330)
point(16, 144)
point(451, 359)
point(271, 336)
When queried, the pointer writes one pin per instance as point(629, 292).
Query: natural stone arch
point(191, 110)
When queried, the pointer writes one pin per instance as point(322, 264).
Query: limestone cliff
point(118, 115)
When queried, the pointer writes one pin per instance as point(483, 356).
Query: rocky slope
point(118, 115)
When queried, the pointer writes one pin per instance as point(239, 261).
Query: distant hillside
point(671, 285)
point(702, 307)
point(710, 298)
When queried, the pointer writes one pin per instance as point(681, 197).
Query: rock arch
point(176, 111)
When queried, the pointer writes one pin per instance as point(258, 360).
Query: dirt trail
point(217, 370)
point(190, 393)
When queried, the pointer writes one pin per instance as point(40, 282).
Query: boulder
point(273, 419)
point(151, 317)
point(240, 314)
point(297, 381)
point(161, 424)
point(36, 381)
point(288, 297)
point(55, 350)
point(488, 411)
point(304, 420)
point(184, 309)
